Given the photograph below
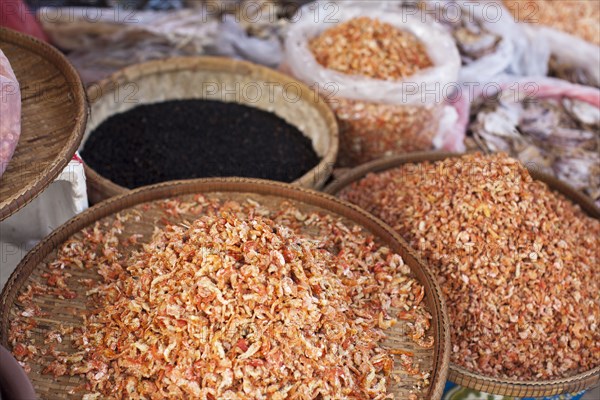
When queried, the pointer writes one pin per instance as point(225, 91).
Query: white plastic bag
point(371, 111)
point(579, 60)
point(515, 52)
point(500, 24)
point(532, 53)
point(10, 112)
point(64, 198)
point(302, 64)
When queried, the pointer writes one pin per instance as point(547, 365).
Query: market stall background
point(529, 52)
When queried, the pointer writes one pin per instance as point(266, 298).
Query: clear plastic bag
point(379, 117)
point(10, 112)
point(374, 130)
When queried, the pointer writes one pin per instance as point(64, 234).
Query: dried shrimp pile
point(235, 305)
point(518, 263)
point(369, 47)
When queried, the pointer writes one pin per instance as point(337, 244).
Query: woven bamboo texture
point(269, 194)
point(53, 118)
point(458, 374)
point(221, 79)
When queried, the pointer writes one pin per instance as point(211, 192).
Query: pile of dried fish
point(473, 39)
point(559, 135)
point(572, 59)
point(118, 37)
point(136, 46)
point(266, 19)
point(114, 41)
point(571, 73)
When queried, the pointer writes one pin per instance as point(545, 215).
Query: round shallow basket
point(457, 374)
point(221, 79)
point(146, 203)
point(53, 117)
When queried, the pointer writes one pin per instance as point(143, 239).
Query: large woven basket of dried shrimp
point(397, 176)
point(226, 288)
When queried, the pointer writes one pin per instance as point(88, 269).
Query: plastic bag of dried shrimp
point(549, 124)
point(10, 112)
point(385, 74)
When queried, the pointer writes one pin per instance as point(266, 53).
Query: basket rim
point(314, 178)
point(511, 387)
point(457, 374)
point(245, 185)
point(76, 90)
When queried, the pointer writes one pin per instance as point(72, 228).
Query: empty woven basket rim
point(26, 193)
point(460, 375)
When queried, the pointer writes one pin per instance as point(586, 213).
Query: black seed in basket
point(185, 139)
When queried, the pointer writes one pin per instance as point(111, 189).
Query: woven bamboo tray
point(53, 118)
point(457, 374)
point(216, 79)
point(269, 194)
